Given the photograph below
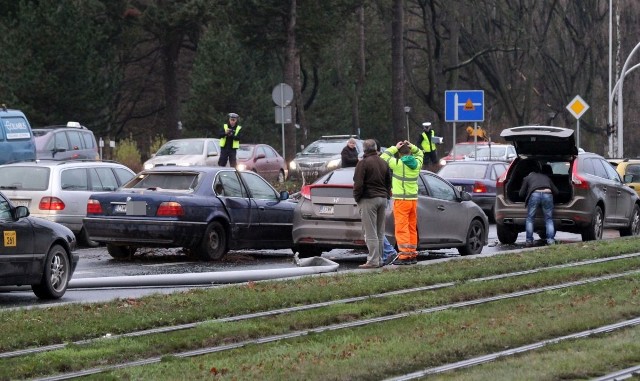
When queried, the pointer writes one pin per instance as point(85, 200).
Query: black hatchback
point(35, 252)
point(592, 195)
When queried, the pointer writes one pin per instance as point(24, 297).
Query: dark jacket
point(349, 157)
point(371, 178)
point(533, 181)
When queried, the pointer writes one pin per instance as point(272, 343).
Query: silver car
point(58, 190)
point(186, 152)
point(326, 217)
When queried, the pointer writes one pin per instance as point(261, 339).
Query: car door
point(241, 210)
point(275, 215)
point(625, 196)
point(440, 214)
point(16, 248)
point(212, 154)
point(605, 188)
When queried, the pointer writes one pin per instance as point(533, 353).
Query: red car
point(263, 160)
point(461, 151)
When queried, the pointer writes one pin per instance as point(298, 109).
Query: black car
point(592, 196)
point(35, 252)
point(206, 210)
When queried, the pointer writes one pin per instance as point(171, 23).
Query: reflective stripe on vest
point(223, 140)
point(426, 147)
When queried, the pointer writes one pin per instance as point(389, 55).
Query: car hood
point(312, 157)
point(541, 140)
point(174, 159)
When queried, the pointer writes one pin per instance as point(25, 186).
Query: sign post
point(577, 107)
point(464, 106)
point(282, 96)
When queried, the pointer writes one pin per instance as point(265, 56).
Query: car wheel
point(506, 235)
point(308, 252)
point(55, 276)
point(594, 230)
point(634, 224)
point(473, 244)
point(86, 241)
point(120, 251)
point(281, 176)
point(214, 242)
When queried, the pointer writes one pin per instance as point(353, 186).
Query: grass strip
point(119, 350)
point(82, 321)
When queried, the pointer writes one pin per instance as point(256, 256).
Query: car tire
point(281, 177)
point(214, 243)
point(83, 237)
point(634, 224)
point(506, 235)
point(594, 231)
point(473, 244)
point(55, 277)
point(308, 252)
point(120, 252)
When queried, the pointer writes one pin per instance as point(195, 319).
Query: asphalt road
point(170, 262)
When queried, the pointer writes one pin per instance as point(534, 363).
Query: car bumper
point(145, 233)
point(329, 235)
point(572, 217)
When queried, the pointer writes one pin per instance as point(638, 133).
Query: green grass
point(372, 352)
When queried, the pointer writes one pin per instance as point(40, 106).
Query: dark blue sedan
point(206, 210)
point(478, 178)
point(35, 252)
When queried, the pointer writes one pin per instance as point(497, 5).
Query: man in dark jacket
point(538, 190)
point(371, 189)
point(349, 154)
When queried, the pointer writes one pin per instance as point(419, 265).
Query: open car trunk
point(561, 179)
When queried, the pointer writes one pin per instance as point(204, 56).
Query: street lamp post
point(407, 110)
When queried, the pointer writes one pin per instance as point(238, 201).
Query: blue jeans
point(387, 249)
point(545, 200)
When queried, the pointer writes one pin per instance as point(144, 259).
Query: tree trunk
point(290, 62)
point(170, 52)
point(397, 69)
point(361, 73)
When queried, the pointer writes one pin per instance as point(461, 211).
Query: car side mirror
point(259, 156)
point(284, 195)
point(21, 211)
point(465, 196)
point(627, 179)
point(215, 153)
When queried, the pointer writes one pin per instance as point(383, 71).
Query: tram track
point(358, 323)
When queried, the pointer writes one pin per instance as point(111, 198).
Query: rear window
point(337, 177)
point(16, 128)
point(173, 181)
point(471, 171)
point(325, 147)
point(25, 178)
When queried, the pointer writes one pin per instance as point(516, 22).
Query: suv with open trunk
point(591, 198)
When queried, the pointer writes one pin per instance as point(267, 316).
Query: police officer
point(428, 146)
point(229, 141)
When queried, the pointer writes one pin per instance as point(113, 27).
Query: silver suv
point(58, 190)
point(592, 196)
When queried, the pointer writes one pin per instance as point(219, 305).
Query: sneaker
point(403, 262)
point(367, 266)
point(414, 260)
point(528, 244)
point(390, 259)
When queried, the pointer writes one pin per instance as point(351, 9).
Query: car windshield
point(464, 149)
point(24, 178)
point(489, 152)
point(244, 152)
point(471, 171)
point(325, 147)
point(191, 147)
point(174, 181)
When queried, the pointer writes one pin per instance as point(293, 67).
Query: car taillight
point(577, 180)
point(94, 207)
point(305, 192)
point(479, 187)
point(51, 203)
point(170, 209)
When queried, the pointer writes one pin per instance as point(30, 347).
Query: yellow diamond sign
point(577, 107)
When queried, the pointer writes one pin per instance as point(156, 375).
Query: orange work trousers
point(405, 214)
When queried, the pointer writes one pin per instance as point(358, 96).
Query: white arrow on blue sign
point(464, 105)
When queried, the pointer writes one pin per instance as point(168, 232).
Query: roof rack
point(69, 124)
point(339, 136)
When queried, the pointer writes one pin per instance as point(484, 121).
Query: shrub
point(128, 154)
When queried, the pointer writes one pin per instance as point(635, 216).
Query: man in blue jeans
point(539, 191)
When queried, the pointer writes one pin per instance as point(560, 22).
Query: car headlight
point(293, 166)
point(443, 162)
point(241, 167)
point(333, 164)
point(148, 166)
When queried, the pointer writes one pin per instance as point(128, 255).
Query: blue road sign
point(464, 106)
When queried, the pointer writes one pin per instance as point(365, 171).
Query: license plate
point(326, 209)
point(120, 208)
point(20, 203)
